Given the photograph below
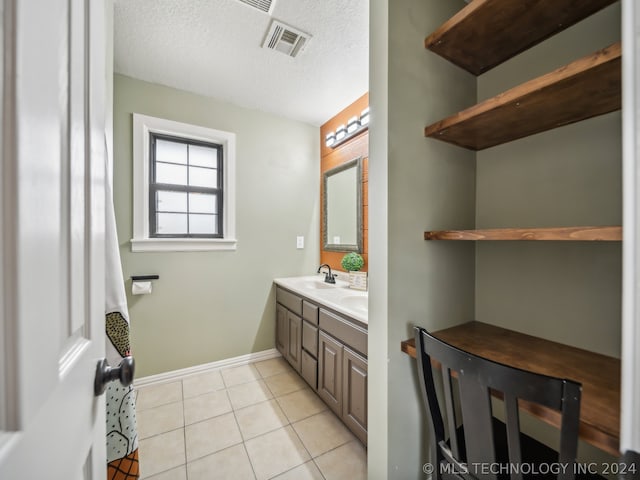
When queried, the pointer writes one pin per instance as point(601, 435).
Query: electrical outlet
point(299, 242)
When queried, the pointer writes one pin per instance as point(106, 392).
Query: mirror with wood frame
point(342, 207)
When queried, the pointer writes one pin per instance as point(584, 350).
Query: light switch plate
point(299, 242)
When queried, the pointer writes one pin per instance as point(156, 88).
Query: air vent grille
point(289, 37)
point(285, 39)
point(262, 5)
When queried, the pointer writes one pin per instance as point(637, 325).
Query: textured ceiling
point(213, 48)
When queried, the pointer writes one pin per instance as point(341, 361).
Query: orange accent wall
point(357, 146)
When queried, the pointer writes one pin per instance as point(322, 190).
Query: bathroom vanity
point(321, 330)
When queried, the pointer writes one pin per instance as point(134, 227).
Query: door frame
point(630, 381)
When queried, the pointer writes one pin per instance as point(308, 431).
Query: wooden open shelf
point(585, 88)
point(487, 32)
point(613, 233)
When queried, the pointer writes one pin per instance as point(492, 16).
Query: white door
point(52, 202)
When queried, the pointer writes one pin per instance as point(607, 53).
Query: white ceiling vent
point(262, 5)
point(285, 39)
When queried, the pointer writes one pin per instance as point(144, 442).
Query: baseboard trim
point(186, 372)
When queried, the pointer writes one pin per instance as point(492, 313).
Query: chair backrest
point(477, 377)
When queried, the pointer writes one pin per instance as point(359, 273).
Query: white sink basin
point(355, 302)
point(317, 285)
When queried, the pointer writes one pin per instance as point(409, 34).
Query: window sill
point(182, 244)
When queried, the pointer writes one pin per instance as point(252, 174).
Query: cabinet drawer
point(310, 312)
point(346, 332)
point(309, 370)
point(310, 338)
point(289, 300)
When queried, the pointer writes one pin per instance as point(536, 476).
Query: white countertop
point(338, 297)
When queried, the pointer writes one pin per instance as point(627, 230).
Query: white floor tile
point(249, 394)
point(209, 436)
point(162, 452)
point(275, 453)
point(206, 406)
point(229, 464)
point(272, 367)
point(306, 471)
point(156, 395)
point(201, 438)
point(260, 418)
point(202, 383)
point(284, 383)
point(237, 375)
point(322, 432)
point(164, 418)
point(301, 404)
point(179, 473)
point(346, 462)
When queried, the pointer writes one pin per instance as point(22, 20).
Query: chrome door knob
point(105, 374)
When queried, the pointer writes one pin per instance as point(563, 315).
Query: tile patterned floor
point(257, 422)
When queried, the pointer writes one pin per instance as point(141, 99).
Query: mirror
point(342, 207)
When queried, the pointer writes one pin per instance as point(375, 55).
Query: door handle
point(105, 374)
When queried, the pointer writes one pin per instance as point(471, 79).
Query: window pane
point(171, 201)
point(203, 177)
point(172, 152)
point(171, 223)
point(202, 203)
point(173, 174)
point(203, 224)
point(203, 156)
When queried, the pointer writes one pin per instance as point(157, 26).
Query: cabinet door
point(354, 393)
point(330, 372)
point(282, 330)
point(310, 338)
point(309, 369)
point(294, 347)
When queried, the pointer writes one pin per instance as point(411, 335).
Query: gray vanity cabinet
point(354, 393)
point(289, 327)
point(330, 372)
point(330, 352)
point(342, 371)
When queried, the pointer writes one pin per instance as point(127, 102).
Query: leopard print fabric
point(118, 332)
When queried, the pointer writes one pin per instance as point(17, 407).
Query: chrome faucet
point(328, 276)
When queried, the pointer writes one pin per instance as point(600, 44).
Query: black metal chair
point(629, 466)
point(477, 445)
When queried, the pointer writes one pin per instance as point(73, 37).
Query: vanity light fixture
point(330, 139)
point(353, 124)
point(364, 117)
point(343, 133)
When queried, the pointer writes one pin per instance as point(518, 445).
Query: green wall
point(426, 184)
point(568, 292)
point(209, 306)
point(564, 291)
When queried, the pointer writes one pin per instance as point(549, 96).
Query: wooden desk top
point(598, 374)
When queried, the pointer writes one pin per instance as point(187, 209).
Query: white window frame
point(143, 126)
